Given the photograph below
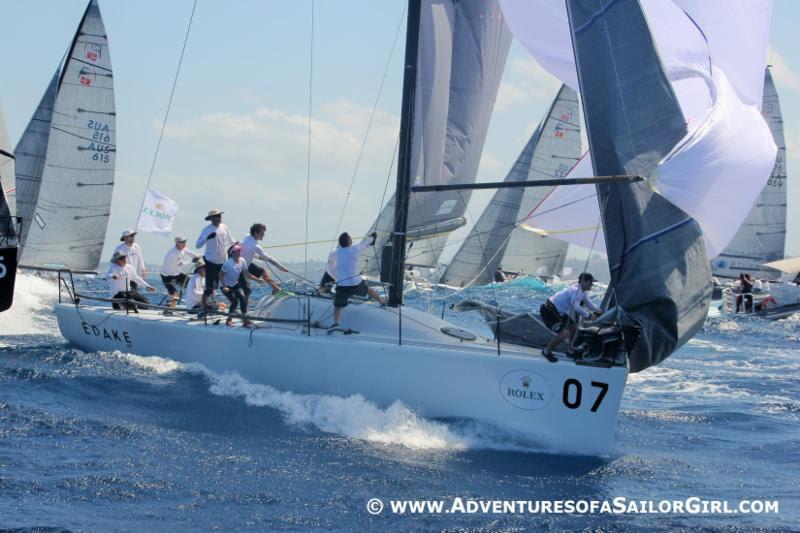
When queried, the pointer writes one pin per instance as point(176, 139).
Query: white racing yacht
point(657, 300)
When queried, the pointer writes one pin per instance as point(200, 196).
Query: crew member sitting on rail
point(499, 275)
point(133, 253)
point(173, 270)
point(234, 284)
point(121, 278)
point(193, 296)
point(560, 309)
point(252, 250)
point(216, 237)
point(348, 275)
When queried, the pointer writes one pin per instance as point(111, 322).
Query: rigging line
point(308, 151)
point(375, 257)
point(169, 106)
point(369, 123)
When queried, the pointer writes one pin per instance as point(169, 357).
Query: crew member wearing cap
point(133, 253)
point(216, 237)
point(562, 308)
point(252, 250)
point(193, 297)
point(121, 278)
point(234, 285)
point(176, 265)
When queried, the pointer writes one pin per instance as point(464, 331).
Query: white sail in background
point(67, 226)
point(496, 240)
point(762, 236)
point(728, 152)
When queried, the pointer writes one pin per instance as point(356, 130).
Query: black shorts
point(212, 277)
point(173, 283)
point(255, 270)
point(551, 317)
point(326, 279)
point(344, 292)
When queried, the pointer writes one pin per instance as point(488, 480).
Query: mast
point(403, 189)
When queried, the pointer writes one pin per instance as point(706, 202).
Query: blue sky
point(237, 132)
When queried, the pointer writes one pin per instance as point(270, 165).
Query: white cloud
point(526, 82)
point(782, 72)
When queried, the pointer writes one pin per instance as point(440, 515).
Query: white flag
point(158, 213)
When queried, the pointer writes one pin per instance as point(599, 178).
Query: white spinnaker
point(7, 179)
point(69, 224)
point(728, 154)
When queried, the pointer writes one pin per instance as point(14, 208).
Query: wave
point(34, 297)
point(352, 416)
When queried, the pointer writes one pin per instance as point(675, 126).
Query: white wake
point(32, 310)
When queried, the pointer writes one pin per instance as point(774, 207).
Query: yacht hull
point(562, 407)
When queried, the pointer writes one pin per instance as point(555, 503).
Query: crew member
point(560, 310)
point(174, 268)
point(348, 276)
point(133, 252)
point(121, 278)
point(193, 297)
point(231, 277)
point(216, 237)
point(252, 250)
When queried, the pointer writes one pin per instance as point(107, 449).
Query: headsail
point(495, 240)
point(660, 277)
point(762, 236)
point(68, 224)
point(462, 53)
point(7, 179)
point(31, 152)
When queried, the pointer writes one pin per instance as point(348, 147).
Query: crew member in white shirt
point(133, 253)
point(328, 278)
point(348, 274)
point(216, 237)
point(234, 286)
point(193, 297)
point(121, 278)
point(252, 250)
point(174, 268)
point(562, 309)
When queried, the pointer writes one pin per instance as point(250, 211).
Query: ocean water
point(113, 441)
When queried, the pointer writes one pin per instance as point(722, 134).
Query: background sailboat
point(462, 54)
point(762, 236)
point(496, 239)
point(8, 227)
point(66, 156)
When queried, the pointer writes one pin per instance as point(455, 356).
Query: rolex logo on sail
point(525, 389)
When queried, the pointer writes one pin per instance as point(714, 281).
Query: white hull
point(434, 374)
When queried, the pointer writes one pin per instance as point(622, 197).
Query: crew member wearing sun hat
point(175, 268)
point(216, 237)
point(121, 279)
point(132, 252)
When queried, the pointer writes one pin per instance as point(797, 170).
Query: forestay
point(495, 240)
point(67, 226)
point(660, 276)
point(462, 52)
point(762, 236)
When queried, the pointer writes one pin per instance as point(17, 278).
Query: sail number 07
point(572, 394)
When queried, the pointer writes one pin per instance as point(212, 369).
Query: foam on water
point(34, 297)
point(352, 416)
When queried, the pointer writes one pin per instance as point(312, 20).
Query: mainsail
point(7, 180)
point(65, 168)
point(660, 277)
point(762, 235)
point(496, 240)
point(462, 53)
